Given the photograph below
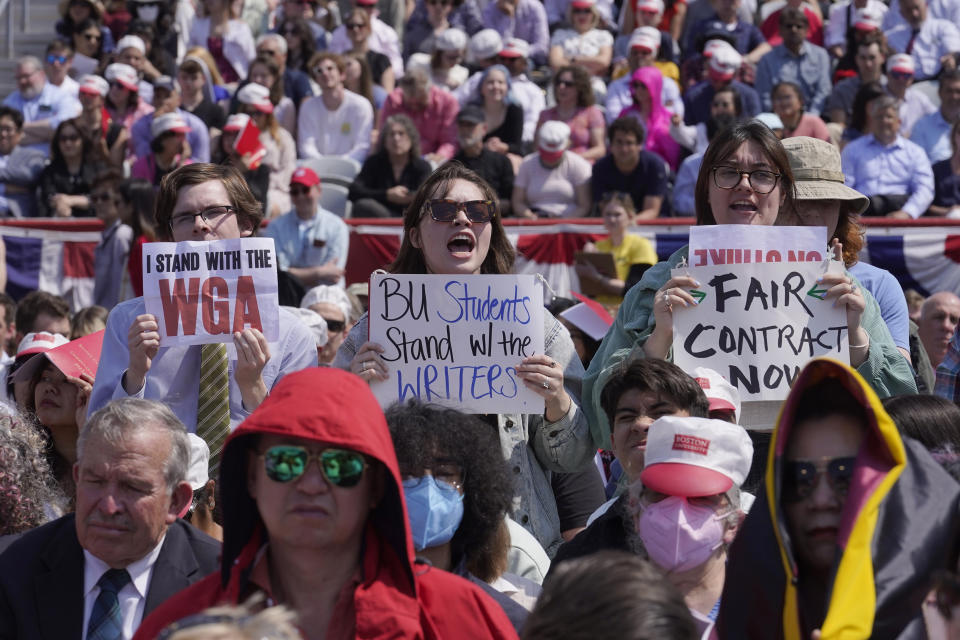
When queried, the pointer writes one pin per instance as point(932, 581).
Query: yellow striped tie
point(213, 401)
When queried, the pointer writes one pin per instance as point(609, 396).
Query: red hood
point(326, 405)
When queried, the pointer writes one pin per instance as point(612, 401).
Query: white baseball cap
point(650, 6)
point(451, 39)
point(132, 42)
point(198, 473)
point(32, 344)
point(314, 322)
point(866, 19)
point(693, 457)
point(484, 44)
point(332, 293)
point(172, 121)
point(515, 48)
point(124, 74)
point(721, 394)
point(646, 38)
point(256, 95)
point(554, 136)
point(725, 62)
point(94, 85)
point(236, 122)
point(902, 63)
point(712, 46)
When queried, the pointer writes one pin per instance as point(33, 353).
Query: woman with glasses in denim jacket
point(444, 238)
point(727, 194)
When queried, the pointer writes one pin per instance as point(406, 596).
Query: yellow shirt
point(634, 250)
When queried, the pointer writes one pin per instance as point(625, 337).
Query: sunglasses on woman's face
point(478, 211)
point(800, 477)
point(340, 467)
point(354, 26)
point(564, 83)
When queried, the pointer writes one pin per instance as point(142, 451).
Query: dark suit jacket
point(41, 578)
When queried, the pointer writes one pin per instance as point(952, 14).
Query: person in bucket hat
point(823, 199)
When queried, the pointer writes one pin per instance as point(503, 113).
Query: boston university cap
point(692, 457)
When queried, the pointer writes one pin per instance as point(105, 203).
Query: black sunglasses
point(564, 83)
point(353, 26)
point(336, 326)
point(800, 476)
point(478, 211)
point(287, 462)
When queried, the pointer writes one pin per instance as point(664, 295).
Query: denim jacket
point(532, 446)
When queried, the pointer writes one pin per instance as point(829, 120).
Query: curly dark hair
point(423, 433)
point(581, 81)
point(27, 483)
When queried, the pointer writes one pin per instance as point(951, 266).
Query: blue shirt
point(935, 39)
point(174, 375)
point(948, 185)
point(810, 70)
point(683, 187)
point(309, 243)
point(896, 169)
point(889, 295)
point(747, 36)
point(51, 104)
point(198, 136)
point(932, 133)
point(697, 99)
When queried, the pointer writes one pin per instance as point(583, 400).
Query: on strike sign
point(203, 292)
point(457, 340)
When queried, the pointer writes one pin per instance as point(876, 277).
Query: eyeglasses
point(354, 26)
point(761, 180)
point(447, 472)
point(478, 211)
point(51, 59)
point(800, 476)
point(335, 326)
point(210, 215)
point(900, 75)
point(9, 131)
point(564, 83)
point(286, 462)
point(581, 11)
point(299, 191)
point(100, 197)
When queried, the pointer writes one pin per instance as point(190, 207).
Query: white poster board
point(758, 324)
point(748, 244)
point(203, 292)
point(457, 340)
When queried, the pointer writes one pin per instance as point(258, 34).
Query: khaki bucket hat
point(818, 174)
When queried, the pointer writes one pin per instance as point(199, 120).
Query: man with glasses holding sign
point(211, 395)
point(314, 517)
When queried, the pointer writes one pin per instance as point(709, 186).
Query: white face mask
point(148, 14)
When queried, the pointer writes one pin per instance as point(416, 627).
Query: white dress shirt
point(133, 596)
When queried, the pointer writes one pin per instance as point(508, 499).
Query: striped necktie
point(213, 401)
point(106, 621)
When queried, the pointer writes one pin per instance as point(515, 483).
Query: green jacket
point(885, 369)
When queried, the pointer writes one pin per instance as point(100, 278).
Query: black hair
point(14, 114)
point(827, 398)
point(627, 124)
point(929, 419)
point(422, 434)
point(657, 376)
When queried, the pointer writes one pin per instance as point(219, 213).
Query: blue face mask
point(435, 509)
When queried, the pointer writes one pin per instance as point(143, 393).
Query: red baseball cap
point(304, 176)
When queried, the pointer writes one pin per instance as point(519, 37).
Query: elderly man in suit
point(95, 574)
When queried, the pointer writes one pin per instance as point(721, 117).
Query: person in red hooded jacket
point(329, 540)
